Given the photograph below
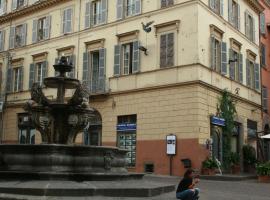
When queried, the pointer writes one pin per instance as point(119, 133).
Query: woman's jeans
point(188, 194)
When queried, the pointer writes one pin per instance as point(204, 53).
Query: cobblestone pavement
point(210, 190)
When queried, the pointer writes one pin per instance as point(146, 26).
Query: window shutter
point(240, 67)
point(163, 50)
point(221, 7)
point(45, 69)
point(136, 57)
point(64, 21)
point(12, 37)
point(212, 4)
point(21, 79)
point(170, 49)
point(86, 75)
point(2, 40)
point(248, 73)
point(120, 9)
point(224, 58)
point(262, 23)
point(47, 28)
point(31, 75)
point(73, 61)
point(4, 6)
point(230, 14)
point(34, 31)
point(117, 60)
point(170, 2)
point(263, 55)
point(9, 82)
point(253, 29)
point(257, 76)
point(14, 4)
point(69, 21)
point(138, 7)
point(246, 24)
point(265, 98)
point(25, 3)
point(104, 11)
point(24, 34)
point(232, 65)
point(238, 17)
point(102, 65)
point(87, 14)
point(212, 45)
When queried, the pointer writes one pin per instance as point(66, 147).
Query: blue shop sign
point(126, 127)
point(218, 121)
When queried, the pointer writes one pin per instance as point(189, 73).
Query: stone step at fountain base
point(66, 176)
point(40, 189)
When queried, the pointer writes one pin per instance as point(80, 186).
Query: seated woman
point(185, 189)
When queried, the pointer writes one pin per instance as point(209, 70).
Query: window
point(17, 36)
point(126, 137)
point(216, 6)
point(127, 58)
point(96, 13)
point(67, 20)
point(216, 57)
point(265, 98)
point(17, 4)
point(251, 129)
point(126, 8)
point(250, 27)
point(263, 55)
point(2, 40)
point(236, 65)
point(167, 50)
point(38, 71)
point(94, 70)
point(26, 129)
point(234, 13)
point(15, 79)
point(253, 75)
point(166, 3)
point(41, 29)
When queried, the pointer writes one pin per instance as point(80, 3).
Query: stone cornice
point(255, 5)
point(29, 10)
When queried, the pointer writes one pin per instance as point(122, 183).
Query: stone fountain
point(59, 122)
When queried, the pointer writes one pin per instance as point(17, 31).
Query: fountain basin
point(63, 161)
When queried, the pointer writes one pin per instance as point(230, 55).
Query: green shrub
point(234, 158)
point(263, 169)
point(210, 163)
point(249, 155)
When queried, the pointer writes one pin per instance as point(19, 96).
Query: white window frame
point(64, 23)
point(39, 76)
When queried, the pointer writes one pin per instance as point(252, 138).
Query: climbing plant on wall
point(226, 106)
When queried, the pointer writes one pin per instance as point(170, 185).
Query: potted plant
point(235, 163)
point(209, 167)
point(249, 159)
point(263, 171)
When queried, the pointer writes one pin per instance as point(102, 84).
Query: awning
point(266, 136)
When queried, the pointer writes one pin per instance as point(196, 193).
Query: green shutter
point(138, 7)
point(221, 7)
point(170, 50)
point(224, 58)
point(86, 75)
point(102, 71)
point(136, 57)
point(24, 35)
point(9, 82)
point(34, 31)
point(240, 68)
point(230, 14)
point(12, 38)
point(238, 17)
point(87, 15)
point(104, 11)
point(232, 65)
point(263, 55)
point(257, 76)
point(117, 60)
point(47, 28)
point(262, 23)
point(248, 73)
point(31, 75)
point(73, 61)
point(120, 9)
point(2, 40)
point(21, 78)
point(212, 45)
